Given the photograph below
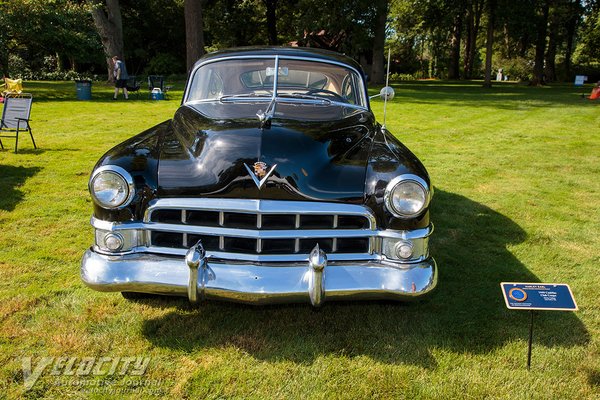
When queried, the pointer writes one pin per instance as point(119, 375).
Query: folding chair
point(15, 117)
point(133, 86)
point(12, 86)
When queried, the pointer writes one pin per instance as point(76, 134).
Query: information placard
point(580, 79)
point(538, 296)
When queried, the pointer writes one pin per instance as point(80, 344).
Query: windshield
point(298, 81)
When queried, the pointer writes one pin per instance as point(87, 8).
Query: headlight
point(112, 186)
point(406, 196)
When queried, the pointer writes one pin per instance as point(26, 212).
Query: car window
point(297, 79)
point(223, 78)
point(323, 80)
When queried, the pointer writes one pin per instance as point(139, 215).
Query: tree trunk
point(271, 15)
point(469, 37)
point(110, 28)
point(194, 31)
point(540, 45)
point(473, 22)
point(378, 68)
point(454, 67)
point(571, 31)
point(507, 50)
point(489, 43)
point(550, 65)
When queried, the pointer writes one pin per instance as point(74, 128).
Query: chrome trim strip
point(184, 220)
point(261, 258)
point(279, 99)
point(412, 234)
point(115, 226)
point(262, 206)
point(236, 257)
point(275, 80)
point(259, 234)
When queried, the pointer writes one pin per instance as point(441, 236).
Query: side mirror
point(387, 93)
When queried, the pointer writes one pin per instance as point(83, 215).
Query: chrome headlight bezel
point(127, 184)
point(395, 184)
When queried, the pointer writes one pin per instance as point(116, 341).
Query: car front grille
point(259, 229)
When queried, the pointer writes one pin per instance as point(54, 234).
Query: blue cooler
point(157, 94)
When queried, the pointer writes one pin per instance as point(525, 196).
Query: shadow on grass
point(466, 314)
point(38, 151)
point(11, 178)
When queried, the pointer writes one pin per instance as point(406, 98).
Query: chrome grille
point(236, 228)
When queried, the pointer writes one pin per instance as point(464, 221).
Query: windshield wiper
point(305, 96)
point(235, 96)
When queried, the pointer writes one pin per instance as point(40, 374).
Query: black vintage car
point(272, 183)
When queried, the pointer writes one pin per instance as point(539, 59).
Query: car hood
point(323, 159)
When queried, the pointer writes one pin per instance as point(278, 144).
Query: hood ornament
point(266, 116)
point(261, 172)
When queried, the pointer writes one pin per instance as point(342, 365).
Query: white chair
point(15, 117)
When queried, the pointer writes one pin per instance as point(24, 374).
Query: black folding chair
point(15, 117)
point(133, 86)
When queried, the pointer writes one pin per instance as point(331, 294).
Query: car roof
point(307, 52)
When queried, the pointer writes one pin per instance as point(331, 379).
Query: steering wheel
point(336, 96)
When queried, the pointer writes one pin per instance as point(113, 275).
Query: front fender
point(139, 156)
point(389, 158)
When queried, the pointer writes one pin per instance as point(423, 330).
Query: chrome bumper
point(313, 281)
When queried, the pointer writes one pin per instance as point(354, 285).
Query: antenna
point(387, 81)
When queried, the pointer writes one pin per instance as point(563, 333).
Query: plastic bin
point(84, 89)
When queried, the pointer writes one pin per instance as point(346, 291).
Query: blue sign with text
point(538, 296)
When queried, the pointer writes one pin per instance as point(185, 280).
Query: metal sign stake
point(530, 341)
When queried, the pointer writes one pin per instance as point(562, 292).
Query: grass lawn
point(516, 172)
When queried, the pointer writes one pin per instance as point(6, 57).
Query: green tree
point(589, 49)
point(154, 34)
point(37, 29)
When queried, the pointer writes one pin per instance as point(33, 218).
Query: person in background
point(595, 92)
point(120, 75)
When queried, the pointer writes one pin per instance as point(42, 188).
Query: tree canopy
point(535, 40)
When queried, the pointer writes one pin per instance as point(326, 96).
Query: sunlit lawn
point(517, 198)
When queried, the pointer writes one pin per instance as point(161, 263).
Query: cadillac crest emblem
point(260, 172)
point(260, 169)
